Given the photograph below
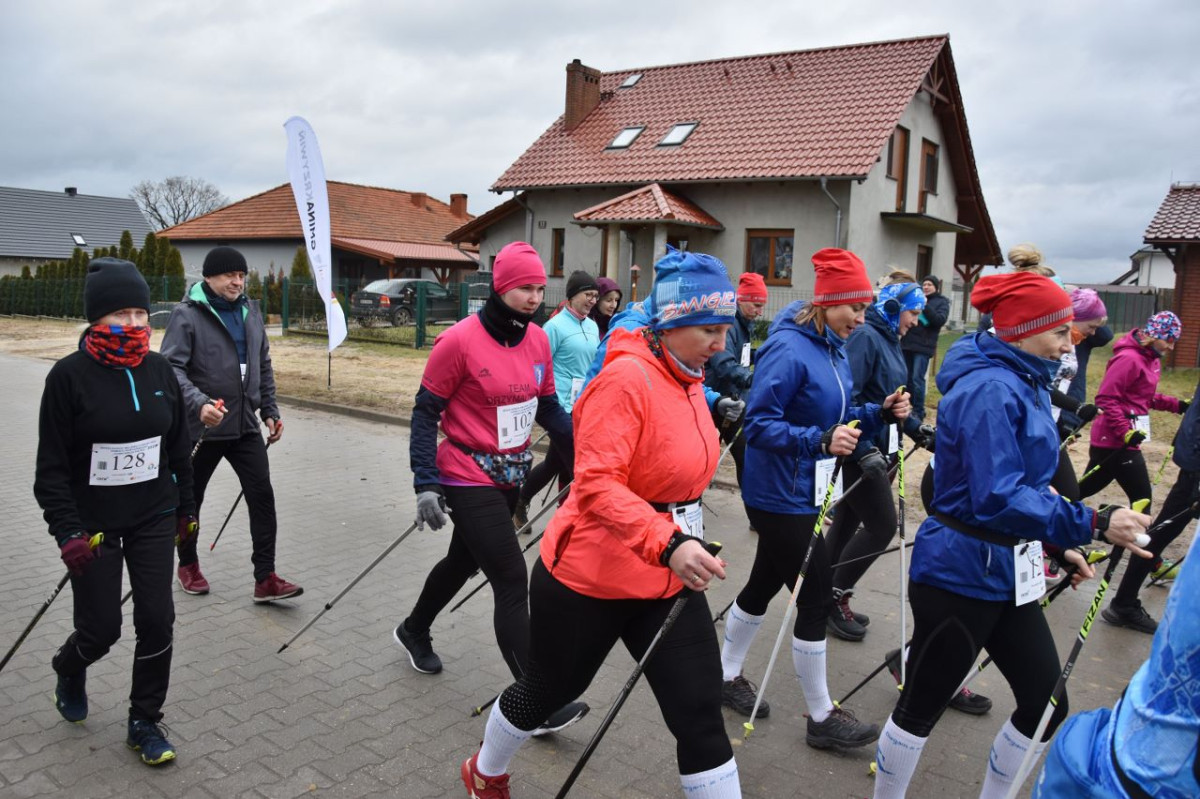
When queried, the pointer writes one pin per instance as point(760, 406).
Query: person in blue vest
point(574, 337)
point(216, 341)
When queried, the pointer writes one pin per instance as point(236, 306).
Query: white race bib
point(576, 388)
point(690, 518)
point(746, 355)
point(1028, 572)
point(893, 439)
point(823, 471)
point(1142, 423)
point(514, 422)
point(124, 464)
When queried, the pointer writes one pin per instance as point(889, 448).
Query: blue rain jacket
point(878, 368)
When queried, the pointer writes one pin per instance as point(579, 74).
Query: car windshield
point(378, 286)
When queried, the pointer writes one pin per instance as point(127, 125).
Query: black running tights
point(782, 542)
point(872, 505)
point(1126, 466)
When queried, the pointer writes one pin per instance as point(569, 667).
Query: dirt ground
point(385, 378)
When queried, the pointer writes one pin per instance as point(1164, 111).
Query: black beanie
point(222, 260)
point(935, 280)
point(580, 281)
point(113, 284)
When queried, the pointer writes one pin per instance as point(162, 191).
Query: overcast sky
point(1081, 113)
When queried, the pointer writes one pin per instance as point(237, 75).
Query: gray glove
point(928, 436)
point(431, 510)
point(873, 464)
point(730, 410)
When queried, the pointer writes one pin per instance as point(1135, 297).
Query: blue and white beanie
point(904, 297)
point(691, 288)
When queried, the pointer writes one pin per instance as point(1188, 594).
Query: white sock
point(896, 757)
point(717, 783)
point(740, 629)
point(809, 660)
point(501, 740)
point(1008, 750)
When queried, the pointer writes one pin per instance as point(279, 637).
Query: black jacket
point(86, 403)
point(724, 372)
point(922, 338)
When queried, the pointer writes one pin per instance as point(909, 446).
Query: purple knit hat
point(607, 284)
point(1087, 305)
point(1163, 325)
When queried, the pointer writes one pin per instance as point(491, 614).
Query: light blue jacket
point(573, 343)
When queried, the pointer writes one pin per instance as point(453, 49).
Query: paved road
point(341, 713)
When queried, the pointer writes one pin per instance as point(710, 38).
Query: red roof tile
point(809, 113)
point(650, 203)
point(365, 212)
point(1178, 218)
point(403, 249)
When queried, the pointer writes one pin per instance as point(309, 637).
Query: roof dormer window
point(80, 241)
point(631, 81)
point(625, 138)
point(678, 134)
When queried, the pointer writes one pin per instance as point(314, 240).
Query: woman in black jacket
point(114, 480)
point(920, 344)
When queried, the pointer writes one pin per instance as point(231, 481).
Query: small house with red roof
point(760, 161)
point(1175, 230)
point(376, 233)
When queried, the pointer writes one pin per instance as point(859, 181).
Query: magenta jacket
point(1128, 390)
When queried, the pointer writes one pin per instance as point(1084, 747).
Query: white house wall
point(260, 255)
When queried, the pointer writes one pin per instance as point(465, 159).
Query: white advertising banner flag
point(307, 174)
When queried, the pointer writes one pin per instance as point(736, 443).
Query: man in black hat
point(217, 343)
point(920, 343)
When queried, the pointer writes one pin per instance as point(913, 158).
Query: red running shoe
point(481, 787)
point(191, 580)
point(275, 587)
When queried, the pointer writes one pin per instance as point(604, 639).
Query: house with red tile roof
point(760, 161)
point(1175, 230)
point(376, 233)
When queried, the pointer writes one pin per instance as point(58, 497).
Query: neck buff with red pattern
point(679, 370)
point(116, 346)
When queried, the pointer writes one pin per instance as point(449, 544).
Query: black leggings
point(948, 633)
point(483, 538)
point(149, 552)
point(1183, 493)
point(871, 504)
point(782, 542)
point(540, 476)
point(248, 457)
point(1127, 467)
point(738, 452)
point(573, 633)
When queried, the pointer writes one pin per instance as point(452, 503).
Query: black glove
point(927, 434)
point(77, 553)
point(1087, 412)
point(1134, 438)
point(873, 464)
point(827, 439)
point(1184, 405)
point(431, 508)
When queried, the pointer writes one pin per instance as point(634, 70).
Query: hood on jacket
point(983, 350)
point(1130, 341)
point(785, 322)
point(875, 319)
point(624, 343)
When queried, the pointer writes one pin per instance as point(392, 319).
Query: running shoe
point(191, 580)
point(841, 621)
point(521, 516)
point(840, 731)
point(562, 718)
point(1132, 616)
point(275, 587)
point(971, 703)
point(150, 740)
point(419, 647)
point(1166, 573)
point(70, 697)
point(740, 694)
point(481, 787)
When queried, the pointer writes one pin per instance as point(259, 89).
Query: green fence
point(62, 298)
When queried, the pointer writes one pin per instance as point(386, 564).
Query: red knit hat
point(517, 264)
point(751, 288)
point(1022, 304)
point(841, 278)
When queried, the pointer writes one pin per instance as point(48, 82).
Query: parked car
point(395, 301)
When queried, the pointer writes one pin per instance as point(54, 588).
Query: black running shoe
point(841, 620)
point(521, 516)
point(1132, 616)
point(740, 694)
point(840, 731)
point(70, 697)
point(971, 703)
point(562, 718)
point(150, 740)
point(419, 647)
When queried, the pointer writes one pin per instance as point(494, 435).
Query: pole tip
point(749, 729)
point(280, 650)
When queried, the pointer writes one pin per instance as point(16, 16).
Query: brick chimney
point(458, 205)
point(583, 93)
point(418, 198)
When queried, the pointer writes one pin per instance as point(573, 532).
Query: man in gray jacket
point(217, 343)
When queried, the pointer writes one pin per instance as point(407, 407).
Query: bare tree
point(176, 199)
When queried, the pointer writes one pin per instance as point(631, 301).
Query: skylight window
point(79, 240)
point(631, 80)
point(678, 134)
point(625, 138)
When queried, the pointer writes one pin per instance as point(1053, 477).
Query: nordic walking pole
point(93, 542)
point(552, 503)
point(229, 515)
point(1158, 477)
point(787, 615)
point(220, 406)
point(1027, 761)
point(676, 609)
point(903, 581)
point(1124, 447)
point(329, 605)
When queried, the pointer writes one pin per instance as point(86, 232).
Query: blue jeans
point(918, 365)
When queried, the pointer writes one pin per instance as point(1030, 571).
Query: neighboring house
point(39, 226)
point(760, 161)
point(376, 233)
point(1175, 231)
point(1148, 268)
